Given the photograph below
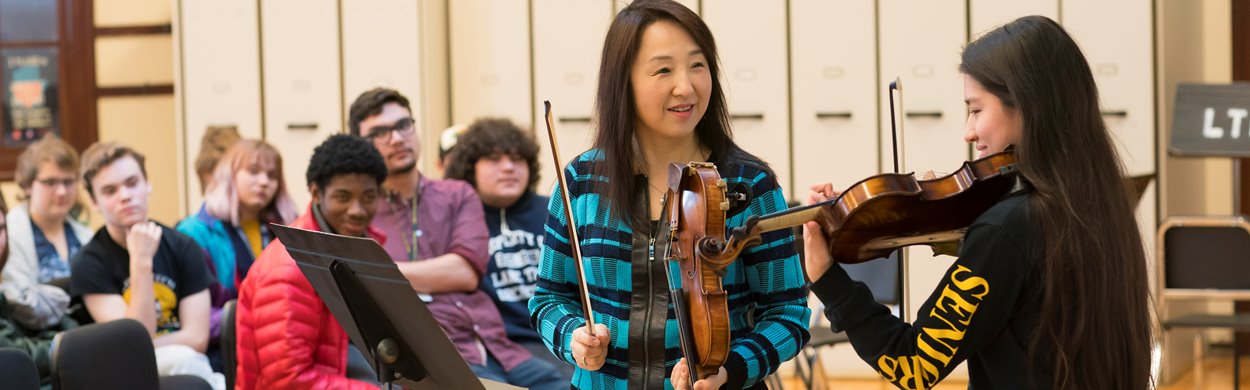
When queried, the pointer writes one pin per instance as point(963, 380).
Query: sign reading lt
point(1211, 120)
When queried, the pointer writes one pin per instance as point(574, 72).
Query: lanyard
point(416, 230)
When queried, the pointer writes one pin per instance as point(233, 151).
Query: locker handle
point(1116, 113)
point(301, 126)
point(574, 119)
point(925, 114)
point(758, 117)
point(834, 115)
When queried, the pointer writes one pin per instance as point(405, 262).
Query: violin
point(691, 238)
point(889, 211)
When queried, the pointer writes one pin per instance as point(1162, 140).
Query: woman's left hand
point(681, 378)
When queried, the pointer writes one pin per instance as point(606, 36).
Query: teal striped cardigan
point(766, 285)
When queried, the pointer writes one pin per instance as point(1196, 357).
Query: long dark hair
point(1093, 325)
point(614, 101)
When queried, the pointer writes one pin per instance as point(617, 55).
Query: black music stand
point(380, 311)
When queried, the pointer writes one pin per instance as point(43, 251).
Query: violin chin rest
point(739, 197)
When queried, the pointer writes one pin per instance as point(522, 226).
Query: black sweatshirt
point(982, 311)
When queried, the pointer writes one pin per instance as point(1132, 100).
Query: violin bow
point(904, 300)
point(574, 242)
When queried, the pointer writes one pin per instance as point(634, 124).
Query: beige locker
point(382, 48)
point(490, 60)
point(568, 44)
point(985, 15)
point(1123, 67)
point(693, 5)
point(921, 45)
point(834, 93)
point(834, 90)
point(754, 73)
point(220, 80)
point(303, 100)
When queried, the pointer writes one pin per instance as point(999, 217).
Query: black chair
point(1206, 259)
point(113, 355)
point(228, 343)
point(17, 370)
point(184, 382)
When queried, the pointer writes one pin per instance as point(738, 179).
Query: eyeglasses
point(53, 183)
point(404, 127)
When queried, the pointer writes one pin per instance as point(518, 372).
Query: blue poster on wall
point(29, 99)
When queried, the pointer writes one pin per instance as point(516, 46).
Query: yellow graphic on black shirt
point(937, 345)
point(165, 301)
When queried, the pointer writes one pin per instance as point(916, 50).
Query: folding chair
point(1204, 258)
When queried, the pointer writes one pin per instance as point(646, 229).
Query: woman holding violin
point(659, 102)
point(1049, 289)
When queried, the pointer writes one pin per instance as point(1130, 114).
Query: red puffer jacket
point(287, 338)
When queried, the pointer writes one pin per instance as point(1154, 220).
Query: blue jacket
point(226, 250)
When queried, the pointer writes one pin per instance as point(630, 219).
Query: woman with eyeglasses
point(42, 235)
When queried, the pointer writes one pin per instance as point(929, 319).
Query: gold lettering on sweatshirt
point(938, 343)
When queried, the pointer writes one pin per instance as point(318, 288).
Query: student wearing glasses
point(42, 235)
point(436, 233)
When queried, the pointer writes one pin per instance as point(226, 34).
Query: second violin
point(889, 211)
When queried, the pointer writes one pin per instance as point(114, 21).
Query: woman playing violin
point(1046, 274)
point(659, 102)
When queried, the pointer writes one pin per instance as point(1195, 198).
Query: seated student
point(212, 146)
point(139, 269)
point(501, 162)
point(34, 342)
point(441, 245)
point(446, 142)
point(287, 338)
point(245, 195)
point(42, 235)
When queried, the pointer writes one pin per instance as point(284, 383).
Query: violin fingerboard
point(789, 220)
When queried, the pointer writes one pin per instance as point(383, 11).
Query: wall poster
point(29, 98)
